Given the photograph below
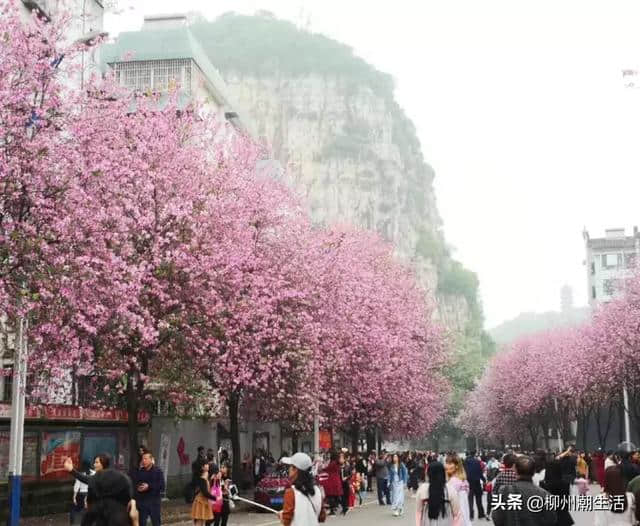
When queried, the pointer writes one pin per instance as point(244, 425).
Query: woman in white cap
point(303, 501)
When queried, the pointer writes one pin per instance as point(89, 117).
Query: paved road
point(372, 514)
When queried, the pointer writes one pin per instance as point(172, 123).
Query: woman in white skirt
point(398, 478)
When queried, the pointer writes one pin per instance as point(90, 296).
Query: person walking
point(221, 516)
point(79, 500)
point(303, 499)
point(201, 507)
point(476, 479)
point(398, 479)
point(113, 503)
point(371, 471)
point(556, 485)
point(628, 468)
point(524, 487)
point(148, 481)
point(569, 461)
point(434, 505)
point(622, 511)
point(345, 477)
point(458, 488)
point(608, 462)
point(332, 484)
point(382, 480)
point(100, 463)
point(507, 475)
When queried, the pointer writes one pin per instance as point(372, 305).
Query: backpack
point(189, 493)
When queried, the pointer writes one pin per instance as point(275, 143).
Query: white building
point(165, 55)
point(86, 24)
point(610, 262)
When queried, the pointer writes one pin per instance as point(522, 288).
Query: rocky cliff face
point(340, 146)
point(331, 119)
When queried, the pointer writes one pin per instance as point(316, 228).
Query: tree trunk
point(132, 419)
point(379, 442)
point(621, 426)
point(294, 442)
point(585, 425)
point(371, 440)
point(533, 433)
point(234, 429)
point(355, 438)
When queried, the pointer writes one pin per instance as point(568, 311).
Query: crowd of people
point(448, 487)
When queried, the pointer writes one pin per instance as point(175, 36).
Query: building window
point(610, 261)
point(593, 268)
point(593, 292)
point(7, 387)
point(158, 76)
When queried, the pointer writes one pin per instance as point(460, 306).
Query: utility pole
point(16, 436)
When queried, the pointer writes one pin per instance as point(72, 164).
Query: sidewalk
point(175, 511)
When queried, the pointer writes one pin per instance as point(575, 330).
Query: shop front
point(53, 433)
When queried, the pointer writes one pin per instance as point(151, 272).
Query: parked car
point(270, 490)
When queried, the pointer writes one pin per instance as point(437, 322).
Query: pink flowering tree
point(379, 338)
point(36, 181)
point(615, 342)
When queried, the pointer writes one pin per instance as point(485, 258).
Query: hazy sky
point(521, 110)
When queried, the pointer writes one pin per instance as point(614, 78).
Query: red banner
point(31, 411)
point(62, 412)
point(74, 413)
point(99, 415)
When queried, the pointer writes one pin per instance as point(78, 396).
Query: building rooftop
point(166, 43)
point(604, 243)
point(614, 238)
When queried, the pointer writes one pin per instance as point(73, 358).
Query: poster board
point(56, 446)
point(29, 456)
point(96, 443)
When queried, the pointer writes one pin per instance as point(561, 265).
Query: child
point(582, 484)
point(355, 490)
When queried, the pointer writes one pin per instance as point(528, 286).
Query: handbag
point(216, 505)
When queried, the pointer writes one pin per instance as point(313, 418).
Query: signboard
point(29, 456)
point(55, 448)
point(325, 440)
point(31, 412)
point(99, 415)
point(74, 413)
point(62, 412)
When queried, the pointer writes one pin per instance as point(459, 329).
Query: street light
point(16, 434)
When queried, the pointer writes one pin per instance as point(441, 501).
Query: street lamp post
point(627, 424)
point(16, 435)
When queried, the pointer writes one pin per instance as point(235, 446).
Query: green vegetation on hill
point(262, 44)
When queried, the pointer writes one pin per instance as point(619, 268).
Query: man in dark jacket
point(148, 481)
point(382, 479)
point(476, 479)
point(528, 500)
